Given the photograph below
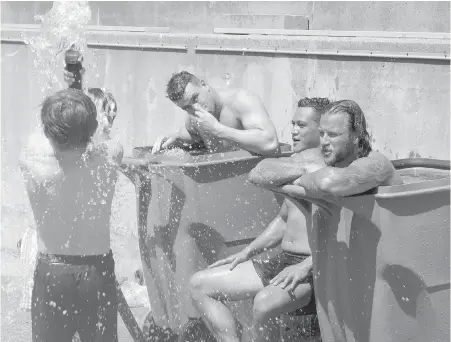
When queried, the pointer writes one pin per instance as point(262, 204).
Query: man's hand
point(163, 142)
point(69, 77)
point(205, 121)
point(234, 260)
point(291, 276)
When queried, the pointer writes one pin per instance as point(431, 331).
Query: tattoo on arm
point(374, 171)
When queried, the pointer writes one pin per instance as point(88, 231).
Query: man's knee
point(198, 284)
point(263, 306)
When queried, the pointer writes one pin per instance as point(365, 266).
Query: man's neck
point(308, 153)
point(69, 156)
point(346, 162)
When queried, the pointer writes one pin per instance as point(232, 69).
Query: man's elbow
point(329, 186)
point(270, 147)
point(256, 177)
point(260, 177)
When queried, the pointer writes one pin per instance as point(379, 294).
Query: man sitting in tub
point(352, 168)
point(218, 119)
point(284, 282)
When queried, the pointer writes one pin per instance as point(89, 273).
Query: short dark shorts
point(269, 268)
point(74, 293)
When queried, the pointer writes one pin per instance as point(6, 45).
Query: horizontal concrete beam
point(373, 34)
point(369, 46)
point(348, 53)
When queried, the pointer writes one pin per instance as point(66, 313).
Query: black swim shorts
point(269, 268)
point(74, 293)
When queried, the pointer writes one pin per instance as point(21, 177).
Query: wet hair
point(357, 122)
point(69, 118)
point(176, 86)
point(105, 100)
point(317, 103)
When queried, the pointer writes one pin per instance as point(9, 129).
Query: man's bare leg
point(270, 303)
point(211, 286)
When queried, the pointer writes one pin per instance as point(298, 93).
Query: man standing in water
point(218, 119)
point(278, 285)
point(70, 184)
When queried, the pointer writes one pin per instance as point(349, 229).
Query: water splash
point(62, 26)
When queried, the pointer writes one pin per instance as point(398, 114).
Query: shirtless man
point(70, 184)
point(218, 119)
point(352, 168)
point(282, 283)
point(106, 107)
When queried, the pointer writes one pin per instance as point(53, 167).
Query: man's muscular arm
point(271, 173)
point(362, 175)
point(274, 172)
point(259, 134)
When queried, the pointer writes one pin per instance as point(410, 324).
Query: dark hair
point(357, 122)
point(69, 118)
point(317, 103)
point(106, 100)
point(176, 86)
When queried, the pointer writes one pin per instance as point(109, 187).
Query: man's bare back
point(70, 195)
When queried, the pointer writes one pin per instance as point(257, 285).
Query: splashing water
point(64, 25)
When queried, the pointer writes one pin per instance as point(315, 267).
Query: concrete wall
point(199, 16)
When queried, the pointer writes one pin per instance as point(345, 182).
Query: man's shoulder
point(37, 154)
point(110, 149)
point(241, 99)
point(377, 161)
point(377, 165)
point(244, 95)
point(37, 145)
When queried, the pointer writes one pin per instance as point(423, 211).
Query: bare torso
point(71, 196)
point(299, 219)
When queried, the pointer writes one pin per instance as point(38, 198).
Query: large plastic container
point(382, 271)
point(194, 208)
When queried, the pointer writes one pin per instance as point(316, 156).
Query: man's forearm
point(275, 172)
point(253, 140)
